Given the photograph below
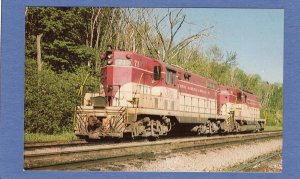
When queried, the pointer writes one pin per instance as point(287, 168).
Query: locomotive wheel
point(257, 128)
point(237, 125)
point(201, 130)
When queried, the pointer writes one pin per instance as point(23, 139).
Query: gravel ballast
point(209, 159)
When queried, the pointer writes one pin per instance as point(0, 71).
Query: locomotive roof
point(180, 69)
point(236, 90)
point(169, 66)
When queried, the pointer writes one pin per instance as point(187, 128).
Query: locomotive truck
point(145, 97)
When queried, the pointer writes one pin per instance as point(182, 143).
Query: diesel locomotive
point(145, 97)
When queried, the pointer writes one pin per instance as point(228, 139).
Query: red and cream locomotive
point(144, 97)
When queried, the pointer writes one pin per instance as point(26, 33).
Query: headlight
point(109, 62)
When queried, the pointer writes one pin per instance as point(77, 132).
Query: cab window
point(170, 77)
point(156, 72)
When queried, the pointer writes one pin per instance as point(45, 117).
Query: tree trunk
point(39, 52)
point(98, 36)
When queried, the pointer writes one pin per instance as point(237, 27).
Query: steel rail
point(49, 158)
point(252, 163)
point(80, 142)
point(51, 144)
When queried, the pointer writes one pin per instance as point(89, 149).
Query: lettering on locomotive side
point(182, 86)
point(193, 89)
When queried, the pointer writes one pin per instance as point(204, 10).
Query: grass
point(273, 128)
point(30, 137)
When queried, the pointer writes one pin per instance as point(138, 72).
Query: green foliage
point(273, 109)
point(273, 128)
point(39, 137)
point(63, 40)
point(50, 98)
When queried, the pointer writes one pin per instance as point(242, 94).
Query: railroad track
point(32, 146)
point(59, 157)
point(80, 142)
point(250, 164)
point(51, 144)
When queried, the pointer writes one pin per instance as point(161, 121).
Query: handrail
point(80, 90)
point(79, 93)
point(138, 85)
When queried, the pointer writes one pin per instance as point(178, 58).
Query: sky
point(256, 35)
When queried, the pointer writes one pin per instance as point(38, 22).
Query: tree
point(39, 53)
point(160, 30)
point(62, 45)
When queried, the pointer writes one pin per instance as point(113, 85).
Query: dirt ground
point(209, 159)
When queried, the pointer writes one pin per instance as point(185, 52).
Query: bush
point(50, 98)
